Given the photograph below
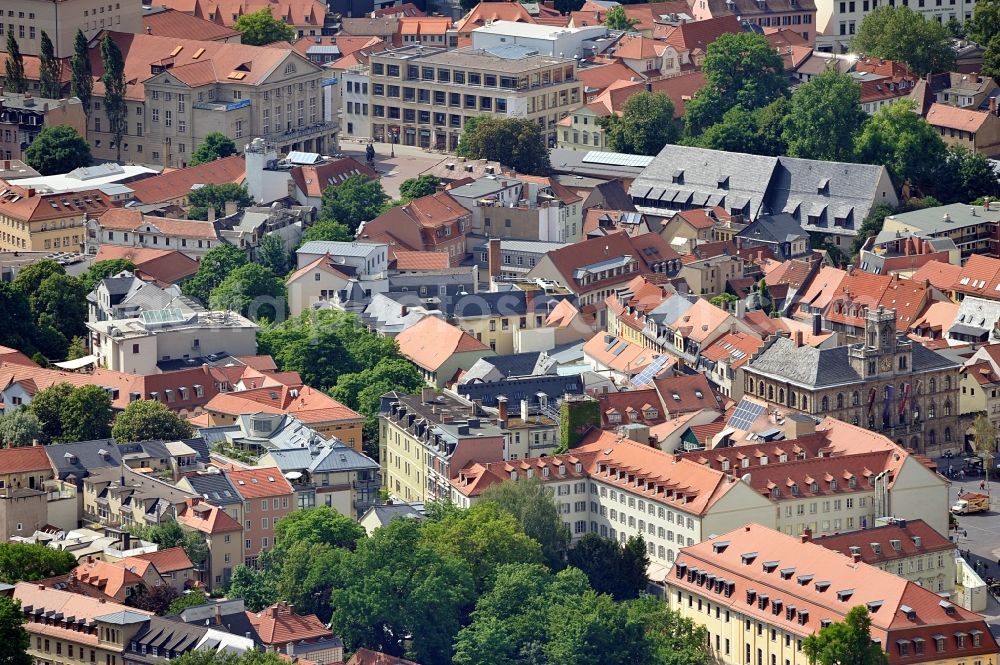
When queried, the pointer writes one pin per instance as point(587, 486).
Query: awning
point(78, 363)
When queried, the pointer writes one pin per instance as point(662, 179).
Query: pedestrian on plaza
point(965, 534)
point(982, 484)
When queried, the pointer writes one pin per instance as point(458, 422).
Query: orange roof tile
point(122, 219)
point(940, 275)
point(307, 404)
point(596, 79)
point(431, 342)
point(206, 518)
point(165, 266)
point(172, 23)
point(9, 355)
point(260, 482)
point(421, 260)
point(952, 117)
point(278, 624)
point(29, 205)
point(737, 347)
point(178, 183)
point(312, 180)
point(107, 577)
point(486, 12)
point(166, 561)
point(24, 459)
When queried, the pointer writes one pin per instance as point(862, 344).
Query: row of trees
point(64, 414)
point(484, 585)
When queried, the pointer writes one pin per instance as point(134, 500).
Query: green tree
point(672, 638)
point(736, 131)
point(215, 146)
point(254, 586)
point(984, 441)
point(114, 91)
point(273, 255)
point(14, 638)
point(328, 229)
point(19, 427)
point(157, 599)
point(612, 568)
point(645, 126)
point(486, 537)
point(253, 291)
point(169, 534)
point(825, 116)
point(47, 407)
point(740, 69)
point(870, 226)
point(397, 595)
point(901, 34)
point(414, 188)
point(217, 196)
point(566, 6)
point(306, 575)
point(616, 19)
point(319, 525)
point(102, 270)
point(213, 657)
point(847, 641)
point(723, 300)
point(148, 420)
point(531, 503)
point(991, 58)
point(81, 75)
point(27, 562)
point(516, 143)
point(61, 299)
point(18, 331)
point(192, 598)
point(57, 149)
point(213, 268)
point(955, 28)
point(591, 629)
point(86, 415)
point(985, 22)
point(48, 70)
point(355, 200)
point(895, 136)
point(260, 28)
point(13, 78)
point(965, 176)
point(77, 348)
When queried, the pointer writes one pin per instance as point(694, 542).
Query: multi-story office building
point(60, 19)
point(24, 116)
point(34, 222)
point(191, 88)
point(424, 96)
point(760, 593)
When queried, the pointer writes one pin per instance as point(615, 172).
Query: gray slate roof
point(216, 488)
point(824, 368)
point(87, 456)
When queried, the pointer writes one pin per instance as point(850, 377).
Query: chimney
point(230, 208)
point(218, 615)
point(741, 308)
point(502, 411)
point(524, 410)
point(126, 541)
point(857, 557)
point(806, 535)
point(817, 321)
point(993, 105)
point(426, 394)
point(493, 258)
point(798, 338)
point(211, 213)
point(35, 442)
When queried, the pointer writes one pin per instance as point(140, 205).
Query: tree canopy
point(216, 145)
point(617, 19)
point(146, 420)
point(48, 69)
point(253, 291)
point(328, 229)
point(847, 641)
point(19, 427)
point(645, 126)
point(81, 75)
point(273, 255)
point(57, 149)
point(260, 28)
point(13, 77)
point(14, 639)
point(617, 569)
point(67, 414)
point(516, 143)
point(740, 69)
point(114, 91)
point(27, 562)
point(530, 502)
point(901, 34)
point(217, 196)
point(414, 188)
point(824, 117)
point(357, 199)
point(214, 267)
point(911, 149)
point(99, 270)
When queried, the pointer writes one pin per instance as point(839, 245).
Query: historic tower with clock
point(883, 353)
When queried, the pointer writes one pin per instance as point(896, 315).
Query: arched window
point(933, 386)
point(805, 403)
point(770, 392)
point(792, 397)
point(947, 435)
point(855, 398)
point(932, 437)
point(931, 410)
point(947, 383)
point(947, 408)
point(825, 403)
point(760, 388)
point(781, 395)
point(886, 392)
point(840, 401)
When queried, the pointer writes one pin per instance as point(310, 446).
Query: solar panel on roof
point(616, 159)
point(746, 413)
point(646, 375)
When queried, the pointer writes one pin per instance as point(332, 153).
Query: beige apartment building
point(186, 89)
point(424, 96)
point(60, 19)
point(34, 222)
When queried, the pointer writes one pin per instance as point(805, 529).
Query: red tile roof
point(695, 36)
point(421, 260)
point(736, 347)
point(293, 12)
point(172, 23)
point(164, 266)
point(259, 483)
point(201, 516)
point(596, 79)
point(431, 341)
point(177, 184)
point(486, 12)
point(940, 275)
point(9, 355)
point(107, 577)
point(952, 117)
point(166, 561)
point(368, 657)
point(307, 404)
point(312, 180)
point(683, 394)
point(24, 460)
point(25, 204)
point(905, 533)
point(278, 625)
point(121, 219)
